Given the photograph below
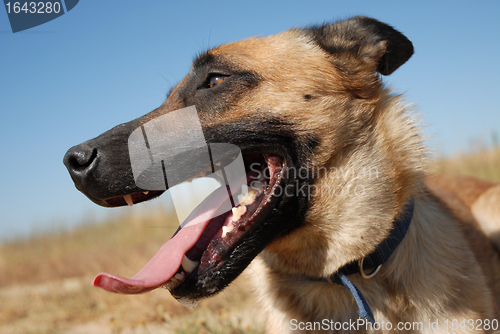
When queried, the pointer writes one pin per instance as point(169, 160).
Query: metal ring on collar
point(362, 272)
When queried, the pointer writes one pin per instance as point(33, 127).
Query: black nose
point(80, 161)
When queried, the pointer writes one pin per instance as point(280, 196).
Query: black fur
point(366, 38)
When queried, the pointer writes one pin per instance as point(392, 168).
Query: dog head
point(305, 107)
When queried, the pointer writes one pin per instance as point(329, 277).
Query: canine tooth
point(188, 265)
point(238, 212)
point(145, 192)
point(226, 230)
point(128, 199)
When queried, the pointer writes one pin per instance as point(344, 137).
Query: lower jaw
point(214, 258)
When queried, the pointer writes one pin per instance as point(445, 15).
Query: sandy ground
point(45, 308)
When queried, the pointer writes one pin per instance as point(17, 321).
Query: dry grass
point(483, 164)
point(45, 285)
point(45, 281)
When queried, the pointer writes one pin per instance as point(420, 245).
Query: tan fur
point(486, 209)
point(314, 98)
point(374, 161)
point(444, 269)
point(468, 196)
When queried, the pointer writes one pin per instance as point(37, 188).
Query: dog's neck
point(385, 249)
point(374, 260)
point(419, 267)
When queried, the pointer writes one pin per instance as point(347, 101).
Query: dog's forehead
point(273, 52)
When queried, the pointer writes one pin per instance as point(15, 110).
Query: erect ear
point(370, 40)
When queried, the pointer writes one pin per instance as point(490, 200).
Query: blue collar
point(373, 260)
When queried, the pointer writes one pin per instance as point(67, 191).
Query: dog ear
point(372, 41)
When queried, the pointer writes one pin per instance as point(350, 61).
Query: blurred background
point(105, 63)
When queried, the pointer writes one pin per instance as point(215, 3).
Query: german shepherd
point(339, 160)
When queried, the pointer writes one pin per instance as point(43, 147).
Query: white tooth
point(238, 212)
point(249, 198)
point(226, 230)
point(145, 192)
point(179, 276)
point(188, 265)
point(128, 199)
point(244, 193)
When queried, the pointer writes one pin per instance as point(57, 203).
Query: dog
point(341, 170)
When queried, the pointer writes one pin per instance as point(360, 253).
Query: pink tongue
point(168, 259)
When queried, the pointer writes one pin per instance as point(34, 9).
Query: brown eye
point(216, 79)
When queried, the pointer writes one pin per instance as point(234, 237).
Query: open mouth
point(205, 240)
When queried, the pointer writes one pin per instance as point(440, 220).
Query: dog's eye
point(215, 79)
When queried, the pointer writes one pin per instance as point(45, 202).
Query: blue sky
point(107, 62)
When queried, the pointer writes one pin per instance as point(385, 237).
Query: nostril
point(79, 158)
